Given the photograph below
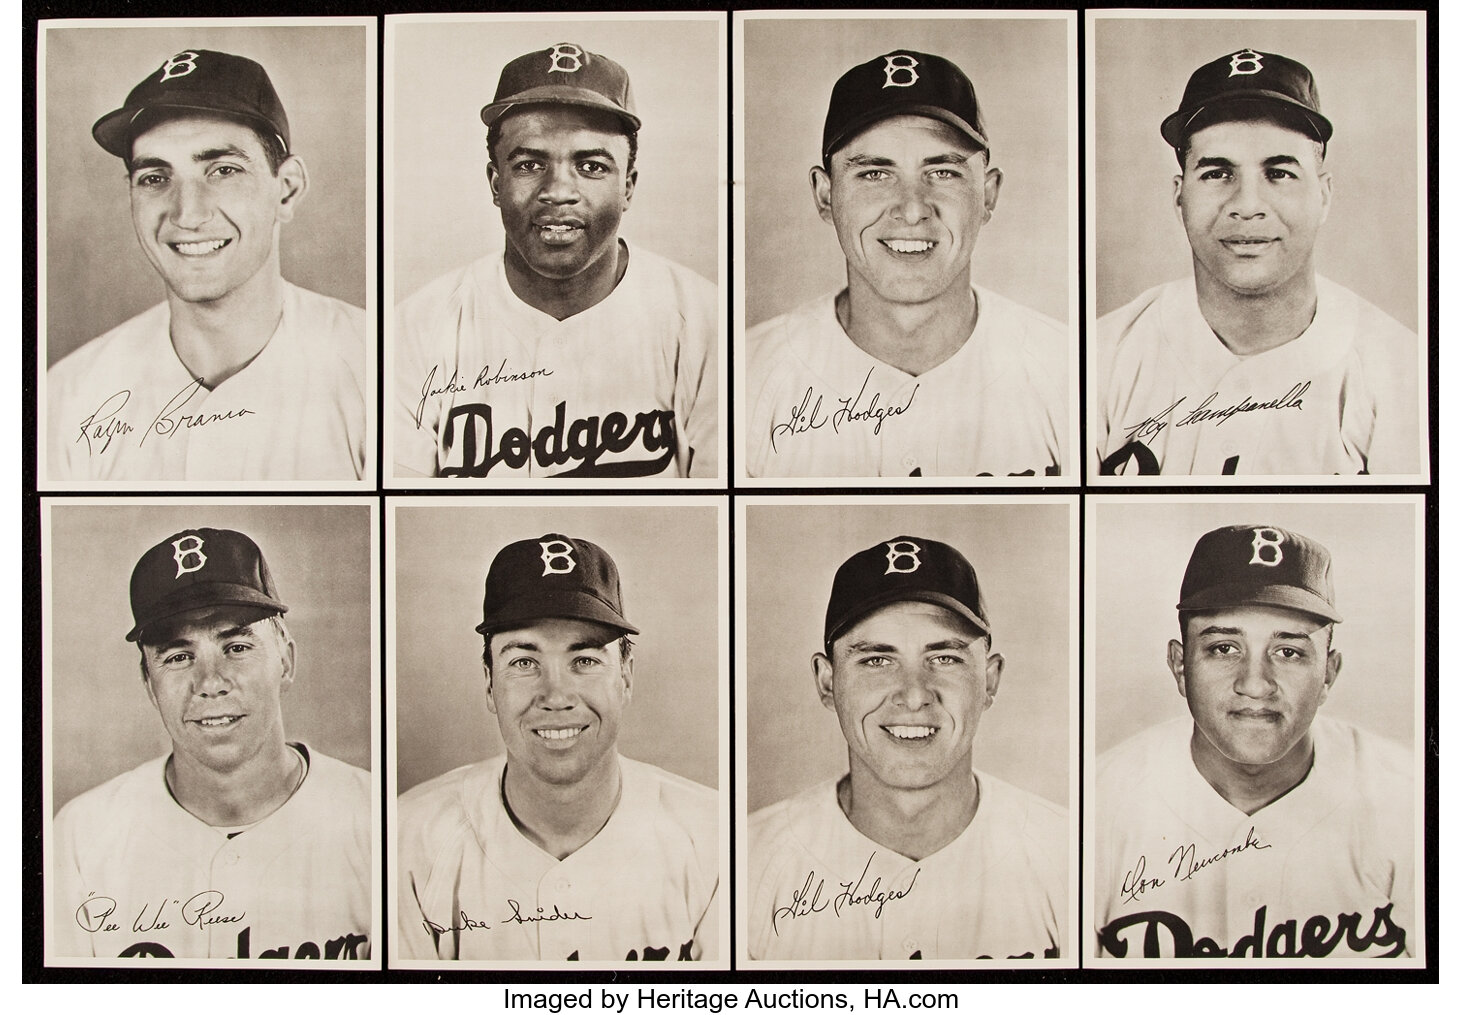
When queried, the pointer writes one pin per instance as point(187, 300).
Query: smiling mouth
point(560, 735)
point(911, 732)
point(909, 246)
point(1256, 714)
point(1249, 245)
point(558, 233)
point(217, 721)
point(199, 248)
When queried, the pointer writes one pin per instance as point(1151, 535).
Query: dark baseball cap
point(552, 576)
point(903, 569)
point(1248, 85)
point(199, 568)
point(903, 82)
point(1263, 565)
point(196, 81)
point(564, 74)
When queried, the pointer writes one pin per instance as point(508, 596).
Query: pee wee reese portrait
point(239, 374)
point(570, 352)
point(238, 843)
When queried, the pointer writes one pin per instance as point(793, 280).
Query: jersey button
point(909, 462)
point(230, 858)
point(910, 945)
point(561, 885)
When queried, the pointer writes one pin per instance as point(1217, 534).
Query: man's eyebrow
point(1216, 629)
point(949, 643)
point(871, 646)
point(150, 162)
point(594, 153)
point(518, 643)
point(950, 158)
point(580, 646)
point(1281, 160)
point(1213, 161)
point(868, 160)
point(225, 152)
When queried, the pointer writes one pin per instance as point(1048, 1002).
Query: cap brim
point(867, 606)
point(202, 597)
point(567, 605)
point(1289, 597)
point(116, 131)
point(872, 116)
point(1178, 127)
point(557, 95)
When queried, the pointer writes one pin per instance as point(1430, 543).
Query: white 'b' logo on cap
point(565, 57)
point(1266, 547)
point(556, 552)
point(186, 555)
point(178, 66)
point(898, 71)
point(1246, 61)
point(901, 550)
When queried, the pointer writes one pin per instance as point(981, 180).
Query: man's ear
point(822, 192)
point(993, 179)
point(487, 672)
point(1332, 673)
point(626, 675)
point(286, 678)
point(630, 179)
point(822, 678)
point(294, 181)
point(1175, 664)
point(492, 182)
point(994, 666)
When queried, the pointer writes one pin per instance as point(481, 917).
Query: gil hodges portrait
point(907, 296)
point(218, 807)
point(555, 237)
point(906, 789)
point(234, 166)
point(557, 733)
point(1242, 331)
point(1255, 794)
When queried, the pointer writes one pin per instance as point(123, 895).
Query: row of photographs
point(924, 695)
point(896, 250)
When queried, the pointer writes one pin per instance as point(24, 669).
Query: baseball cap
point(552, 576)
point(898, 570)
point(898, 83)
point(1247, 84)
point(197, 81)
point(564, 74)
point(198, 568)
point(1244, 565)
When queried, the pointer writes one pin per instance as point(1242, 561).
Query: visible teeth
point(911, 732)
point(909, 246)
point(221, 721)
point(558, 228)
point(559, 734)
point(201, 247)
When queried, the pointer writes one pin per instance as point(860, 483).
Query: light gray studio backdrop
point(1019, 70)
point(102, 723)
point(666, 556)
point(1138, 548)
point(443, 73)
point(1023, 556)
point(1365, 71)
point(96, 276)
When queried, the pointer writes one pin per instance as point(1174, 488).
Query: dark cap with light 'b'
point(196, 82)
point(1248, 85)
point(199, 568)
point(552, 576)
point(564, 74)
point(903, 569)
point(1259, 565)
point(902, 83)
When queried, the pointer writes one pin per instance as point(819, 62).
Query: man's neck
point(912, 822)
point(240, 796)
point(217, 339)
point(1248, 324)
point(559, 819)
point(912, 337)
point(1252, 787)
point(562, 298)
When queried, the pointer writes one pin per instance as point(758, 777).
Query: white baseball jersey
point(1326, 870)
point(488, 386)
point(821, 406)
point(469, 885)
point(138, 876)
point(820, 889)
point(1171, 398)
point(124, 407)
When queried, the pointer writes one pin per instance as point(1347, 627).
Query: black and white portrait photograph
point(1254, 688)
point(907, 679)
point(1257, 252)
point(906, 247)
point(210, 686)
point(556, 693)
point(555, 237)
point(207, 254)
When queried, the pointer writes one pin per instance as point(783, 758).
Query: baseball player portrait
point(903, 365)
point(1289, 349)
point(259, 363)
point(238, 841)
point(545, 330)
point(584, 837)
point(910, 851)
point(1266, 811)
